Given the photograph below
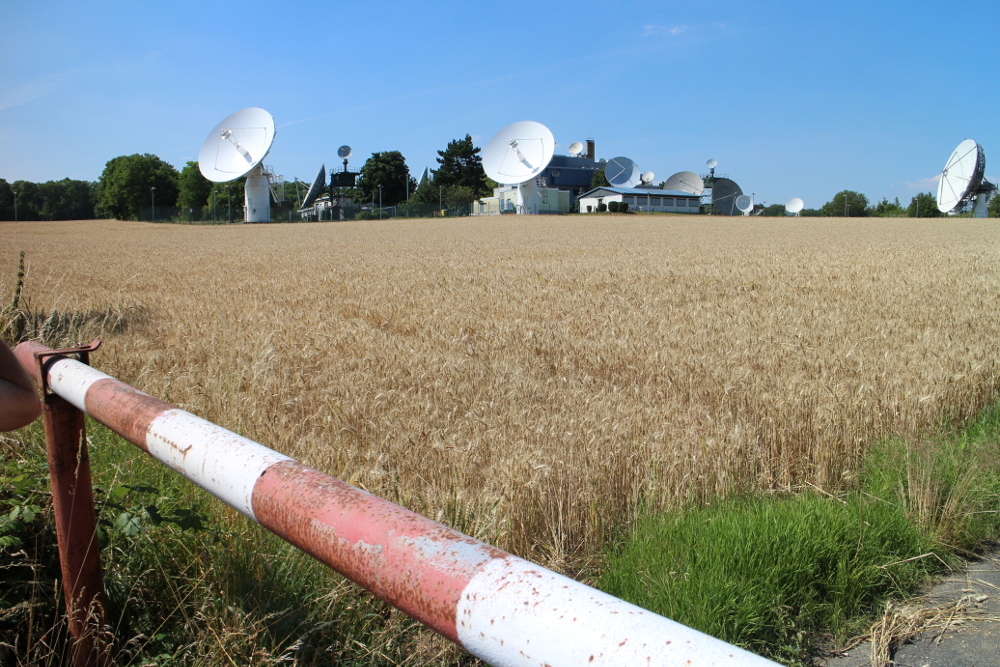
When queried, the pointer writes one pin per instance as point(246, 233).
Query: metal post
point(152, 194)
point(379, 201)
point(15, 205)
point(73, 506)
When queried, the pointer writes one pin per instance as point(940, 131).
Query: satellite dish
point(575, 148)
point(315, 188)
point(424, 175)
point(235, 148)
point(685, 181)
point(621, 172)
point(963, 180)
point(724, 194)
point(517, 155)
point(236, 145)
point(711, 164)
point(794, 206)
point(518, 152)
point(345, 152)
point(745, 204)
point(647, 177)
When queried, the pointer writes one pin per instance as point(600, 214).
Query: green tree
point(774, 211)
point(127, 181)
point(924, 205)
point(193, 188)
point(599, 180)
point(847, 203)
point(226, 197)
point(427, 193)
point(389, 170)
point(887, 209)
point(994, 206)
point(461, 164)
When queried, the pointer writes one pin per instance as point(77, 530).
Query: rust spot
point(124, 409)
point(397, 555)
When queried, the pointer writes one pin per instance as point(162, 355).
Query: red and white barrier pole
point(501, 608)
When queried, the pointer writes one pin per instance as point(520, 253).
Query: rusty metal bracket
point(84, 357)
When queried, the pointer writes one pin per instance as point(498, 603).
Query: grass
point(540, 383)
point(780, 574)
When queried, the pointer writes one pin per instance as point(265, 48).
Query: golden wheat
point(536, 380)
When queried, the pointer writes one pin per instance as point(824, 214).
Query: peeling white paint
point(223, 463)
point(514, 612)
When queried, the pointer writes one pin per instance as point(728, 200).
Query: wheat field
point(538, 381)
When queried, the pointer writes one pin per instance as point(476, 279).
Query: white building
point(641, 199)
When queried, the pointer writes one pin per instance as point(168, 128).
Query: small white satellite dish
point(794, 206)
point(315, 188)
point(647, 177)
point(345, 152)
point(744, 203)
point(685, 181)
point(236, 147)
point(575, 148)
point(963, 181)
point(517, 155)
point(622, 172)
point(712, 164)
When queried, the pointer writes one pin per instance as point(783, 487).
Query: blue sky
point(792, 98)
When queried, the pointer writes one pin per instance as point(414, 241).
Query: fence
point(501, 608)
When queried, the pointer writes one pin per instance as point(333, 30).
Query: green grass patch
point(777, 574)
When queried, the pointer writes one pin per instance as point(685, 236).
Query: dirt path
point(956, 624)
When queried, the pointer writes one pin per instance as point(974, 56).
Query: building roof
point(655, 192)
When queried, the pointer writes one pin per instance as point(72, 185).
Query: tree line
point(851, 204)
point(130, 183)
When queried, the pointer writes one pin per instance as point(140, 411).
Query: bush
point(602, 207)
point(623, 207)
point(613, 206)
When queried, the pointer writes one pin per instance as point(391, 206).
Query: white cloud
point(25, 93)
point(924, 184)
point(671, 30)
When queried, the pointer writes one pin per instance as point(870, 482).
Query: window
point(693, 203)
point(654, 201)
point(668, 201)
point(630, 200)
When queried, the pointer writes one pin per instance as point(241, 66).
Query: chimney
point(591, 153)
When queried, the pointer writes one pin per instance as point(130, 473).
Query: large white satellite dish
point(236, 147)
point(517, 155)
point(518, 152)
point(794, 206)
point(576, 148)
point(622, 172)
point(647, 178)
point(963, 181)
point(685, 181)
point(724, 194)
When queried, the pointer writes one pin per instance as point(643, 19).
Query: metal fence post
point(75, 518)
